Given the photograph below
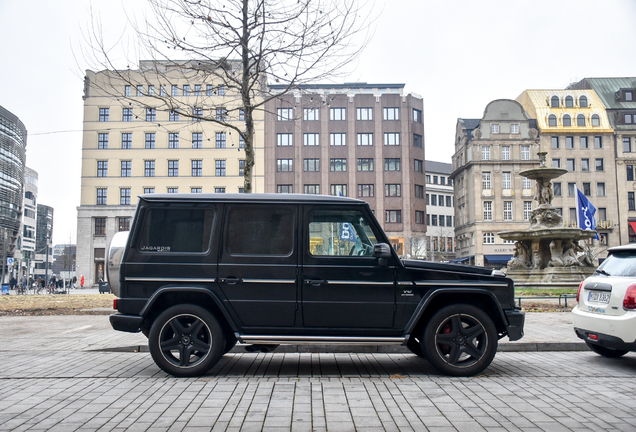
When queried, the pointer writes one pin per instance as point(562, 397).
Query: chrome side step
point(312, 340)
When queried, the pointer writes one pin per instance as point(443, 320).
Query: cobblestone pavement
point(52, 378)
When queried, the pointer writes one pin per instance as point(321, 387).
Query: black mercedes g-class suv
point(198, 273)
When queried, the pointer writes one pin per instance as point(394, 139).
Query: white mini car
point(605, 317)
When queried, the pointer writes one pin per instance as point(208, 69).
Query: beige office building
point(140, 137)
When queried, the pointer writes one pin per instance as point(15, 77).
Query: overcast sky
point(458, 55)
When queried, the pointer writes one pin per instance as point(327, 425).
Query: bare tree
point(240, 44)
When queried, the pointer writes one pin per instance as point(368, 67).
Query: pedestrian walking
point(82, 282)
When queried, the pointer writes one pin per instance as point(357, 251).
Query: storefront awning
point(498, 259)
point(633, 225)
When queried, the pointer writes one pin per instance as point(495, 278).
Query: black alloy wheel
point(186, 340)
point(460, 340)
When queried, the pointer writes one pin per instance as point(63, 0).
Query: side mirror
point(382, 252)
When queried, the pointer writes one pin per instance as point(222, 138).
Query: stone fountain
point(547, 254)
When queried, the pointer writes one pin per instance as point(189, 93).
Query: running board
point(312, 340)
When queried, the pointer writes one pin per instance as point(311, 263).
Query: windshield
point(619, 264)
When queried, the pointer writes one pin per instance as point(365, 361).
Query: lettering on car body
point(596, 309)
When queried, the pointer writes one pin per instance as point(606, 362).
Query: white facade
point(440, 212)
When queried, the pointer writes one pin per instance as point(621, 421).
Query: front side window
point(347, 234)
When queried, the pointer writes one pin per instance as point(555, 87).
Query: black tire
point(186, 340)
point(606, 352)
point(460, 340)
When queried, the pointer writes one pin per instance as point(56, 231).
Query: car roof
point(250, 198)
point(622, 248)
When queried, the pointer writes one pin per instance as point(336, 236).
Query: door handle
point(230, 280)
point(314, 282)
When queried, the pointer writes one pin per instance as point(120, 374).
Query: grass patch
point(56, 304)
point(542, 292)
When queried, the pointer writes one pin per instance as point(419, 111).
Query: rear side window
point(260, 230)
point(176, 230)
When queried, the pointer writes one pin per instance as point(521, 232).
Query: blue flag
point(585, 213)
point(347, 233)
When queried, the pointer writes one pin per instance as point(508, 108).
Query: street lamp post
point(46, 268)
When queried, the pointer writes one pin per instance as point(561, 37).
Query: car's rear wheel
point(186, 340)
point(460, 340)
point(606, 352)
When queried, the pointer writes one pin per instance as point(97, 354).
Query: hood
point(449, 267)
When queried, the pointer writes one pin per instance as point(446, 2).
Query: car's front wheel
point(606, 352)
point(186, 340)
point(460, 340)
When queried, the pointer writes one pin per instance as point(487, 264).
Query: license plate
point(598, 296)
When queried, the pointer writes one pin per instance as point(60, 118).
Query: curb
point(378, 349)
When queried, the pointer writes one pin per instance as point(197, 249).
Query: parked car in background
point(605, 317)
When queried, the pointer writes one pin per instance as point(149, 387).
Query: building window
point(311, 165)
point(600, 189)
point(391, 113)
point(365, 164)
point(392, 190)
point(554, 102)
point(418, 141)
point(197, 140)
point(338, 164)
point(150, 140)
point(449, 201)
point(312, 189)
point(514, 128)
point(284, 189)
point(505, 152)
point(393, 216)
point(220, 140)
point(174, 90)
point(598, 142)
point(100, 226)
point(584, 142)
point(552, 120)
point(173, 140)
point(489, 238)
point(571, 165)
point(221, 114)
point(102, 168)
point(569, 102)
point(527, 209)
point(391, 138)
point(556, 186)
point(162, 90)
point(149, 190)
point(567, 120)
point(103, 114)
point(311, 139)
point(284, 165)
point(485, 153)
point(419, 217)
point(173, 190)
point(197, 114)
point(580, 120)
point(197, 168)
point(506, 180)
point(365, 139)
point(285, 114)
point(365, 190)
point(151, 114)
point(124, 196)
point(338, 139)
point(220, 168)
point(419, 191)
point(569, 142)
point(197, 89)
point(525, 152)
point(434, 221)
point(585, 164)
point(487, 210)
point(173, 168)
point(556, 163)
point(571, 189)
point(587, 189)
point(627, 144)
point(337, 113)
point(221, 90)
point(102, 196)
point(494, 128)
point(391, 164)
point(173, 115)
point(127, 90)
point(417, 115)
point(284, 139)
point(418, 165)
point(126, 140)
point(596, 120)
point(627, 119)
point(149, 168)
point(433, 200)
point(631, 205)
point(339, 189)
point(630, 172)
point(507, 210)
point(599, 164)
point(186, 90)
point(209, 90)
point(102, 140)
point(124, 224)
point(241, 114)
point(485, 181)
point(525, 183)
point(126, 115)
point(311, 114)
point(195, 190)
point(126, 168)
point(555, 142)
point(364, 113)
point(583, 102)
